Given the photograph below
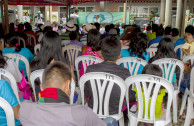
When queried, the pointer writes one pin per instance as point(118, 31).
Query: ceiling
point(72, 2)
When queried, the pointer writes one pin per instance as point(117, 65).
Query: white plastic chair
point(8, 112)
point(190, 111)
point(101, 93)
point(23, 41)
point(155, 45)
point(177, 48)
point(34, 75)
point(152, 51)
point(64, 42)
point(188, 92)
point(189, 59)
point(13, 84)
point(168, 66)
point(2, 41)
point(36, 48)
point(72, 52)
point(141, 82)
point(38, 74)
point(30, 37)
point(16, 58)
point(86, 61)
point(132, 64)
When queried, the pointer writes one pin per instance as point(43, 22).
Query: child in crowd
point(153, 69)
point(188, 47)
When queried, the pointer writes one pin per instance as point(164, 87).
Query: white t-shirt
point(74, 17)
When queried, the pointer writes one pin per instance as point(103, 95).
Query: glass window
point(81, 9)
point(63, 9)
point(153, 10)
point(89, 9)
point(121, 9)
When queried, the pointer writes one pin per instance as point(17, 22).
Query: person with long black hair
point(12, 46)
point(137, 48)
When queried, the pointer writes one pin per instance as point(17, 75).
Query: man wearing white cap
point(85, 30)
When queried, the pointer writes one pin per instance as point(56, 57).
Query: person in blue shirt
point(7, 93)
point(137, 48)
point(159, 34)
point(165, 50)
point(12, 46)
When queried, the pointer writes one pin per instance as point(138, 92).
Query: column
point(178, 14)
point(46, 13)
point(20, 13)
point(50, 14)
point(6, 16)
point(124, 15)
point(168, 12)
point(101, 6)
point(183, 18)
point(162, 11)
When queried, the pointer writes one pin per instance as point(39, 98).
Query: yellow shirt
point(151, 36)
point(158, 105)
point(186, 46)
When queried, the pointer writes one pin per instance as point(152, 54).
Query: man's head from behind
point(111, 48)
point(57, 75)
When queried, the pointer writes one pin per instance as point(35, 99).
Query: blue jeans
point(111, 121)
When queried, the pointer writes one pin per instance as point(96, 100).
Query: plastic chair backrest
point(8, 112)
point(13, 84)
point(179, 47)
point(86, 61)
point(131, 63)
point(20, 39)
point(192, 81)
point(144, 84)
point(168, 66)
point(36, 48)
point(152, 51)
point(30, 37)
point(38, 74)
point(16, 58)
point(189, 58)
point(101, 91)
point(155, 45)
point(2, 41)
point(64, 42)
point(34, 75)
point(72, 52)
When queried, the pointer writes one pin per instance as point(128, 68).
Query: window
point(121, 9)
point(81, 9)
point(89, 9)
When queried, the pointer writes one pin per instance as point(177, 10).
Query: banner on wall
point(103, 17)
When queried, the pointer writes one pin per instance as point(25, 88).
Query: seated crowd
point(107, 42)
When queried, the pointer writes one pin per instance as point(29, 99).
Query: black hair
point(12, 40)
point(50, 49)
point(190, 29)
point(167, 30)
point(77, 28)
point(11, 28)
point(2, 62)
point(20, 27)
point(154, 27)
point(47, 28)
point(112, 26)
point(152, 69)
point(175, 32)
point(149, 27)
point(165, 49)
point(76, 10)
point(56, 72)
point(138, 44)
point(107, 28)
point(160, 31)
point(118, 31)
point(110, 48)
point(73, 35)
point(28, 26)
point(97, 25)
point(93, 39)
